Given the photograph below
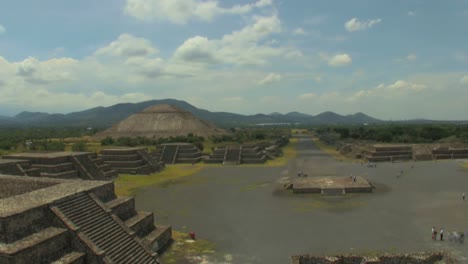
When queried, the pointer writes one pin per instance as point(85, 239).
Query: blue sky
point(388, 59)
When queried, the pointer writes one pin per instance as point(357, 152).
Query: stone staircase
point(233, 155)
point(155, 237)
point(169, 154)
point(107, 232)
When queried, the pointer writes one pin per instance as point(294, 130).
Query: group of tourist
point(434, 234)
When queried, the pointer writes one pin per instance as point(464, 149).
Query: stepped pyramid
point(161, 121)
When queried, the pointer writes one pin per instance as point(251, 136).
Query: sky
point(392, 60)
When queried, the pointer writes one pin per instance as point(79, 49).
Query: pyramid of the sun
point(161, 121)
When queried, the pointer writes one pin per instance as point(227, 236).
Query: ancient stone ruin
point(172, 153)
point(450, 153)
point(389, 153)
point(66, 165)
point(130, 160)
point(417, 258)
point(328, 185)
point(237, 154)
point(161, 121)
point(44, 220)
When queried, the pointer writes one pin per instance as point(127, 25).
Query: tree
point(80, 146)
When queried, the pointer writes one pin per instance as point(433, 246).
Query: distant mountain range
point(104, 117)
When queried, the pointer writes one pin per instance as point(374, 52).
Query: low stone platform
point(416, 258)
point(330, 185)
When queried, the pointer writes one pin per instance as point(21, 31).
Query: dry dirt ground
point(250, 219)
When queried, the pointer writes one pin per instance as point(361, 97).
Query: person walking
point(434, 234)
point(441, 234)
point(463, 196)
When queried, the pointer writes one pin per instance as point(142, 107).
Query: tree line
point(396, 133)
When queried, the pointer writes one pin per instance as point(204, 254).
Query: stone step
point(102, 229)
point(62, 175)
point(120, 152)
point(42, 246)
point(123, 207)
point(159, 238)
point(125, 164)
point(74, 205)
point(141, 223)
point(130, 157)
point(111, 174)
point(104, 167)
point(71, 258)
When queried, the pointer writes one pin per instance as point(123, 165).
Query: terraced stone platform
point(65, 165)
point(383, 152)
point(130, 160)
point(18, 167)
point(239, 154)
point(330, 185)
point(171, 153)
point(74, 221)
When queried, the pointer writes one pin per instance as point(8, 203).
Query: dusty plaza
point(250, 218)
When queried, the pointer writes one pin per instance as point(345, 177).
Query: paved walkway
point(251, 220)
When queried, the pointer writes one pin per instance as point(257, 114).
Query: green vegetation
point(38, 138)
point(126, 184)
point(184, 248)
point(144, 141)
point(80, 146)
point(401, 133)
point(289, 153)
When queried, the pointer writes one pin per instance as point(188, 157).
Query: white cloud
point(299, 32)
point(411, 57)
point(240, 47)
point(397, 89)
point(354, 24)
point(337, 60)
point(270, 78)
point(197, 49)
point(38, 72)
point(401, 85)
point(2, 29)
point(128, 45)
point(411, 13)
point(464, 79)
point(233, 99)
point(307, 96)
point(182, 11)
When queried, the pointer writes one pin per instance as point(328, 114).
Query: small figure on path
point(434, 233)
point(463, 196)
point(441, 234)
point(354, 178)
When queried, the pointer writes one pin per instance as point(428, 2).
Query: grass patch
point(331, 150)
point(465, 164)
point(184, 248)
point(127, 184)
point(289, 153)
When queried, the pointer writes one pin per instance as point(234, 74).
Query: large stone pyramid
point(161, 121)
